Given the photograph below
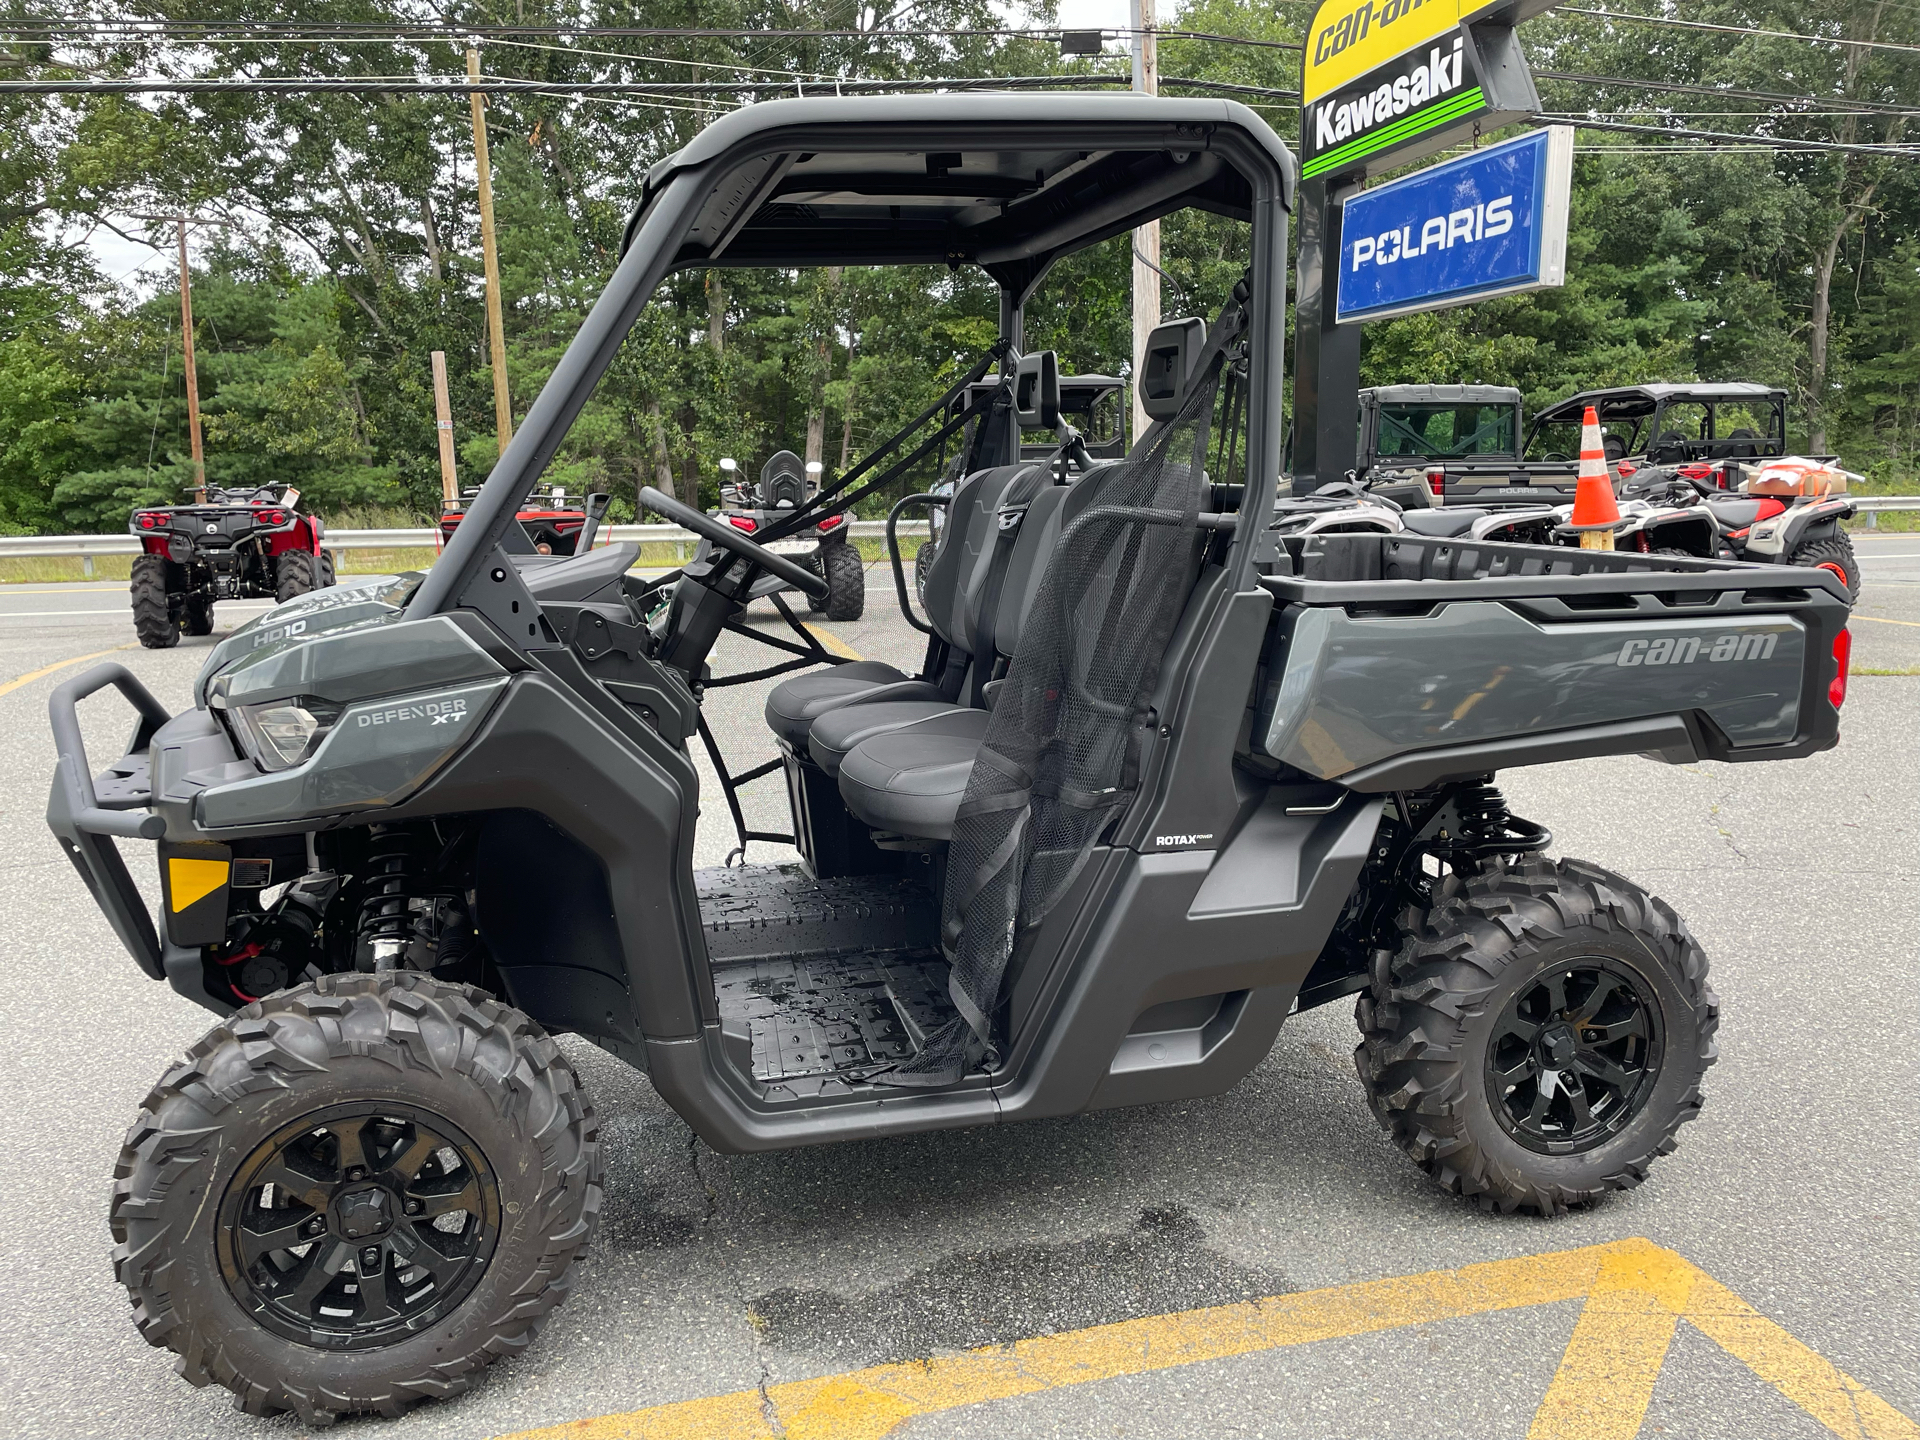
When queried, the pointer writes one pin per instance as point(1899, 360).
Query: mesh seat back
point(1063, 747)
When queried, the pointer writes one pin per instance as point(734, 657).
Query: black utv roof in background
point(985, 178)
point(1443, 394)
point(1628, 402)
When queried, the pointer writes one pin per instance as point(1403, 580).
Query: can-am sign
point(1490, 223)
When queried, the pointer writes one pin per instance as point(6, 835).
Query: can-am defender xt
point(1164, 777)
point(229, 545)
point(822, 546)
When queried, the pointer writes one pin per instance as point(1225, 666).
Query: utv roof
point(1442, 394)
point(993, 178)
point(1624, 402)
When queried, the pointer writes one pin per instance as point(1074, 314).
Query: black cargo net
point(1061, 757)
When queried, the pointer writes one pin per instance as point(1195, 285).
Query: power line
point(1773, 142)
point(1739, 30)
point(1865, 107)
point(497, 85)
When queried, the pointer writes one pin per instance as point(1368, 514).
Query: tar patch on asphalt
point(998, 1295)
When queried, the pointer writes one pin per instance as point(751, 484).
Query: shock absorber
point(1484, 826)
point(388, 882)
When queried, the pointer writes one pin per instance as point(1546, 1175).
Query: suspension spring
point(389, 880)
point(1487, 827)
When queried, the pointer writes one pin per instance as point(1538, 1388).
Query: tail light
point(276, 517)
point(1842, 658)
point(1437, 481)
point(743, 522)
point(151, 521)
point(832, 522)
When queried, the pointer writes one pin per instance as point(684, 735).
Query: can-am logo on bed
point(1688, 649)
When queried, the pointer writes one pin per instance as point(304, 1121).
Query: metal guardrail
point(1871, 506)
point(87, 546)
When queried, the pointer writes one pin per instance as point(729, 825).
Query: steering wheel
point(725, 535)
point(1554, 457)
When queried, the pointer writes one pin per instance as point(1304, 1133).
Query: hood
point(356, 604)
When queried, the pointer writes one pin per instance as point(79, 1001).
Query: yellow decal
point(1350, 37)
point(191, 880)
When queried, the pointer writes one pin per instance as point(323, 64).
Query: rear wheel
point(846, 581)
point(198, 616)
point(153, 618)
point(356, 1194)
point(294, 573)
point(328, 572)
point(1540, 1036)
point(1834, 553)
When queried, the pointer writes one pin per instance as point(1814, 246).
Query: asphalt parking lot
point(1230, 1266)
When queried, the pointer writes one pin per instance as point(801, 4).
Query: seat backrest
point(981, 554)
point(951, 562)
point(1038, 531)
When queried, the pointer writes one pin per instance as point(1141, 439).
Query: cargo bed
point(1398, 661)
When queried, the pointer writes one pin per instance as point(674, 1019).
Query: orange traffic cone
point(1594, 511)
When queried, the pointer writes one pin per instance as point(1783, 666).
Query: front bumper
point(86, 814)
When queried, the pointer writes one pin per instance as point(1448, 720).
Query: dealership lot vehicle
point(1061, 869)
point(752, 507)
point(230, 545)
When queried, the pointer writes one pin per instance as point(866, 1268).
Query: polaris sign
point(1490, 223)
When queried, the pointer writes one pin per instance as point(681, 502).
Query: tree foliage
point(350, 249)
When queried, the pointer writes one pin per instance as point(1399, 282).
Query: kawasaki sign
point(1409, 97)
point(1406, 78)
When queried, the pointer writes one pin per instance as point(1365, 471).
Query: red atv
point(232, 545)
point(553, 522)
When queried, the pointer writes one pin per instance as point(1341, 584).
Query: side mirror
point(1171, 351)
point(1036, 391)
point(729, 465)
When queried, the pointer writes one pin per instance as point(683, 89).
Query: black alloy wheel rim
point(1574, 1056)
point(359, 1226)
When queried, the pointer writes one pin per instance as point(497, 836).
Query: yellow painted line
point(1635, 1292)
point(833, 642)
point(46, 670)
point(1876, 619)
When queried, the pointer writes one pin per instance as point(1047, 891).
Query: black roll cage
point(1140, 158)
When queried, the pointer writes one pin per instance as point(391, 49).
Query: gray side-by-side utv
point(1165, 776)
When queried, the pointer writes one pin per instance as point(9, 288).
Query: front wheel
point(1540, 1036)
point(353, 1195)
point(1833, 553)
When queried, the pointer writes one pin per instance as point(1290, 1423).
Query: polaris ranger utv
point(1423, 445)
point(1165, 777)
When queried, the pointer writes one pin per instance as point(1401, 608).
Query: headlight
point(279, 734)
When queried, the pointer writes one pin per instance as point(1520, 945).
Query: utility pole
point(193, 377)
point(496, 337)
point(443, 424)
point(1146, 239)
